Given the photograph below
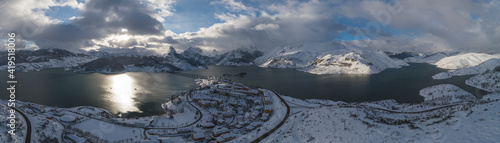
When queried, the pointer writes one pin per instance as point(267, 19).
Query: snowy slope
point(426, 59)
point(173, 59)
point(446, 93)
point(328, 58)
point(461, 123)
point(195, 57)
point(469, 120)
point(489, 81)
point(464, 60)
point(44, 58)
point(487, 65)
point(65, 62)
point(239, 57)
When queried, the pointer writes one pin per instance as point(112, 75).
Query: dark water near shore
point(141, 93)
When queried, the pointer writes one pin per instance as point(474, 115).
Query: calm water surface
point(141, 93)
point(402, 85)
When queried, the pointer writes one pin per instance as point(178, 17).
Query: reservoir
point(142, 93)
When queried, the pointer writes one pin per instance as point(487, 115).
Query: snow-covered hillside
point(487, 65)
point(239, 57)
point(52, 63)
point(446, 93)
point(322, 121)
point(489, 81)
point(464, 60)
point(426, 59)
point(44, 59)
point(328, 58)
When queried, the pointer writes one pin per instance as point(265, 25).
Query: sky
point(152, 26)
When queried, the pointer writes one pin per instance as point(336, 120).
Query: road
point(279, 125)
point(28, 132)
point(187, 100)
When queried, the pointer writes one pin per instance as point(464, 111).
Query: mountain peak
point(171, 51)
point(194, 50)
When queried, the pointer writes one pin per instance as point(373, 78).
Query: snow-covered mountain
point(99, 61)
point(239, 57)
point(328, 58)
point(128, 64)
point(168, 63)
point(487, 65)
point(464, 60)
point(27, 60)
point(403, 55)
point(195, 57)
point(426, 59)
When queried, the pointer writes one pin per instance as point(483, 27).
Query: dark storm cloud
point(166, 39)
point(101, 18)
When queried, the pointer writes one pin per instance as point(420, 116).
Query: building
point(225, 137)
point(203, 103)
point(150, 141)
point(253, 126)
point(237, 94)
point(67, 118)
point(264, 117)
point(184, 130)
point(36, 108)
point(267, 100)
point(258, 107)
point(218, 132)
point(228, 113)
point(233, 103)
point(254, 115)
point(198, 136)
point(214, 103)
point(221, 121)
point(268, 109)
point(207, 124)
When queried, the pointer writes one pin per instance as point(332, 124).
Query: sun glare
point(122, 91)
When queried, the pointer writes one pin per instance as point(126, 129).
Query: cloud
point(392, 25)
point(287, 23)
point(99, 19)
point(450, 22)
point(267, 27)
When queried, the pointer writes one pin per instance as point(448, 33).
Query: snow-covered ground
point(19, 126)
point(328, 58)
point(487, 65)
point(488, 81)
point(446, 93)
point(464, 60)
point(388, 121)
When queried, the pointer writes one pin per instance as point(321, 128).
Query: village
point(224, 111)
point(217, 111)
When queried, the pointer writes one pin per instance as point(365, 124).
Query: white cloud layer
point(439, 25)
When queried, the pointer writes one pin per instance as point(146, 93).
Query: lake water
point(141, 93)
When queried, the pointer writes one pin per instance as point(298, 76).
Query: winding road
point(28, 132)
point(277, 126)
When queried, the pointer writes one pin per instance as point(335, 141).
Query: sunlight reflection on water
point(123, 93)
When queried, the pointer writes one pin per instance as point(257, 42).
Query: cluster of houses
point(219, 134)
point(228, 109)
point(243, 107)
